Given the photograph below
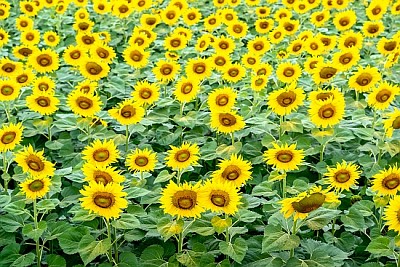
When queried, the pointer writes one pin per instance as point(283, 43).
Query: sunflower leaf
point(236, 251)
point(89, 248)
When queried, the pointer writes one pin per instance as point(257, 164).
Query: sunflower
point(74, 55)
point(171, 55)
point(387, 181)
point(9, 90)
point(10, 68)
point(10, 136)
point(263, 69)
point(51, 38)
point(30, 37)
point(250, 60)
point(264, 26)
point(170, 15)
point(392, 122)
point(83, 25)
point(228, 15)
point(391, 60)
point(233, 72)
point(93, 69)
point(350, 39)
point(86, 39)
point(296, 47)
point(342, 176)
point(284, 157)
point(237, 29)
point(395, 9)
point(277, 35)
point(101, 174)
point(149, 35)
point(23, 23)
point(224, 45)
point(4, 11)
point(212, 22)
point(289, 25)
point(136, 57)
point(324, 72)
point(191, 16)
point(382, 96)
point(104, 200)
point(181, 200)
point(121, 9)
point(326, 113)
point(305, 35)
point(314, 46)
point(345, 20)
point(391, 214)
point(43, 103)
point(145, 93)
point(43, 84)
point(140, 40)
point(220, 61)
point(35, 187)
point(127, 112)
point(221, 100)
point(23, 51)
point(329, 41)
point(4, 36)
point(28, 8)
point(235, 171)
point(322, 95)
point(83, 104)
point(166, 70)
point(259, 45)
point(311, 63)
point(150, 20)
point(301, 7)
point(25, 77)
point(284, 101)
point(226, 121)
point(220, 196)
point(288, 72)
point(141, 160)
point(101, 153)
point(183, 156)
point(202, 43)
point(282, 13)
point(376, 9)
point(364, 79)
point(186, 89)
point(34, 162)
point(198, 68)
point(373, 28)
point(175, 42)
point(387, 46)
point(102, 52)
point(43, 61)
point(87, 86)
point(307, 202)
point(346, 59)
point(258, 82)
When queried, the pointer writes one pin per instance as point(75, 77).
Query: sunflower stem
point(115, 244)
point(6, 109)
point(380, 219)
point(294, 230)
point(284, 185)
point(280, 127)
point(127, 139)
point(182, 108)
point(178, 176)
point(374, 120)
point(180, 242)
point(233, 139)
point(5, 171)
point(110, 256)
point(49, 132)
point(35, 220)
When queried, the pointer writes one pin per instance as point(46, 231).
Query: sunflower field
point(200, 133)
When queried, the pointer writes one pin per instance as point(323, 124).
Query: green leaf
point(380, 246)
point(247, 215)
point(24, 260)
point(168, 228)
point(127, 259)
point(153, 256)
point(164, 176)
point(294, 125)
point(34, 233)
point(54, 260)
point(6, 238)
point(47, 204)
point(89, 248)
point(134, 235)
point(354, 220)
point(220, 225)
point(202, 228)
point(126, 221)
point(276, 240)
point(9, 254)
point(236, 251)
point(321, 254)
point(69, 240)
point(135, 192)
point(264, 189)
point(321, 217)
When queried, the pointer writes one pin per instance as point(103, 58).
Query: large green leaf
point(236, 250)
point(89, 248)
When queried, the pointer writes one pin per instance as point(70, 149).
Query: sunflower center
point(288, 72)
point(84, 102)
point(139, 41)
point(396, 123)
point(259, 81)
point(136, 56)
point(310, 203)
point(327, 72)
point(220, 61)
point(251, 61)
point(123, 9)
point(302, 6)
point(373, 28)
point(345, 58)
point(22, 78)
point(102, 177)
point(166, 69)
point(326, 111)
point(199, 68)
point(36, 185)
point(376, 10)
point(141, 3)
point(30, 37)
point(223, 45)
point(175, 42)
point(284, 156)
point(182, 155)
point(364, 79)
point(264, 25)
point(34, 163)
point(344, 21)
point(342, 176)
point(232, 172)
point(349, 42)
point(285, 99)
point(104, 199)
point(94, 68)
point(324, 96)
point(288, 27)
point(8, 137)
point(184, 199)
point(233, 72)
point(88, 40)
point(83, 26)
point(237, 28)
point(141, 161)
point(25, 51)
point(171, 14)
point(212, 21)
point(277, 35)
point(43, 86)
point(319, 18)
point(186, 88)
point(43, 101)
point(8, 67)
point(101, 155)
point(6, 90)
point(258, 46)
point(75, 54)
point(128, 112)
point(51, 38)
point(314, 46)
point(227, 119)
point(23, 24)
point(191, 16)
point(390, 46)
point(222, 100)
point(150, 21)
point(391, 181)
point(145, 93)
point(219, 198)
point(103, 53)
point(297, 47)
point(383, 95)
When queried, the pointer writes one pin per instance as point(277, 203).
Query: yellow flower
point(145, 93)
point(284, 101)
point(306, 202)
point(10, 68)
point(237, 29)
point(203, 42)
point(51, 38)
point(220, 196)
point(43, 61)
point(150, 20)
point(258, 82)
point(314, 46)
point(191, 16)
point(284, 157)
point(226, 122)
point(346, 58)
point(224, 45)
point(392, 122)
point(387, 46)
point(83, 104)
point(101, 174)
point(170, 15)
point(277, 35)
point(211, 22)
point(10, 136)
point(175, 42)
point(181, 200)
point(310, 65)
point(93, 69)
point(83, 25)
point(376, 9)
point(382, 96)
point(342, 177)
point(74, 55)
point(166, 70)
point(34, 163)
point(186, 89)
point(321, 95)
point(288, 72)
point(235, 171)
point(104, 200)
point(329, 41)
point(198, 68)
point(43, 84)
point(250, 60)
point(320, 17)
point(182, 157)
point(296, 47)
point(233, 73)
point(30, 37)
point(259, 45)
point(387, 181)
point(35, 187)
point(364, 79)
point(372, 28)
point(220, 61)
point(345, 20)
point(25, 77)
point(86, 39)
point(289, 25)
point(43, 103)
point(127, 112)
point(326, 113)
point(121, 9)
point(141, 160)
point(136, 57)
point(391, 214)
point(324, 72)
point(23, 23)
point(101, 153)
point(264, 26)
point(102, 52)
point(4, 37)
point(87, 86)
point(350, 39)
point(9, 90)
point(222, 99)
